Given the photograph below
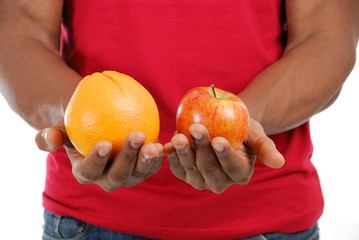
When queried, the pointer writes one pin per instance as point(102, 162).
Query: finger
point(157, 163)
point(90, 169)
point(263, 146)
point(124, 162)
point(206, 159)
point(146, 167)
point(173, 161)
point(149, 161)
point(51, 139)
point(187, 160)
point(237, 165)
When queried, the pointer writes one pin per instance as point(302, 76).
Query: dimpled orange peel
point(108, 106)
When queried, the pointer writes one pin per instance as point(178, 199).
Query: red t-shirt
point(170, 47)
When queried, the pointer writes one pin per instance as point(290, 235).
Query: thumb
point(263, 146)
point(52, 138)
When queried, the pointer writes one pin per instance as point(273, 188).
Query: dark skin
point(134, 163)
point(320, 53)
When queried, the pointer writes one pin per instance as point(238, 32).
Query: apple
point(223, 113)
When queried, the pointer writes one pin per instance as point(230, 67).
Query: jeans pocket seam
point(315, 234)
point(87, 231)
point(52, 224)
point(263, 237)
point(45, 236)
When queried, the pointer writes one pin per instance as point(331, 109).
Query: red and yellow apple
point(223, 113)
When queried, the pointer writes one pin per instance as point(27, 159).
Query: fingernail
point(136, 144)
point(180, 147)
point(217, 147)
point(104, 151)
point(197, 135)
point(44, 135)
point(147, 158)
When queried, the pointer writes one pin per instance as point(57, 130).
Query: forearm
point(36, 82)
point(33, 78)
point(302, 83)
point(305, 80)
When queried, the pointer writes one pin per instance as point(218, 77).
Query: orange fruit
point(108, 106)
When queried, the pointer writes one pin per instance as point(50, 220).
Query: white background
point(334, 133)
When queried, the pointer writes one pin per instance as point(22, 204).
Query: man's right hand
point(131, 165)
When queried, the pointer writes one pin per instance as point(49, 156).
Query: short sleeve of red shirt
point(170, 47)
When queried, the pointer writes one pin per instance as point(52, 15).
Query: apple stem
point(214, 92)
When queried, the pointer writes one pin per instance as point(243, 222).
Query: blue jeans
point(59, 227)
